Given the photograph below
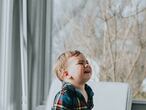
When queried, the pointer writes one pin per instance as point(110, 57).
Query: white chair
point(111, 96)
point(107, 95)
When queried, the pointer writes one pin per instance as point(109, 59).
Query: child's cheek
point(72, 70)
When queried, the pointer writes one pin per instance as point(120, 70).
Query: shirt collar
point(70, 87)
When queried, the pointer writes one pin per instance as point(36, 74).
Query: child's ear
point(66, 74)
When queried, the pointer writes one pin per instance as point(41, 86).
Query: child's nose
point(86, 65)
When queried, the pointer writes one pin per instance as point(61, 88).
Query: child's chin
point(88, 78)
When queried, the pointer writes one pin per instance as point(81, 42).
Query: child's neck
point(81, 87)
point(78, 85)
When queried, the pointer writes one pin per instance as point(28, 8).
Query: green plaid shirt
point(69, 98)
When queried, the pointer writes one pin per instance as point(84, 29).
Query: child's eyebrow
point(83, 61)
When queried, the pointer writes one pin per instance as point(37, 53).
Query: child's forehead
point(80, 57)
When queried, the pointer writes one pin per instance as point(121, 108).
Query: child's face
point(79, 69)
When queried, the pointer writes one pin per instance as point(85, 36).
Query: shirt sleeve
point(62, 101)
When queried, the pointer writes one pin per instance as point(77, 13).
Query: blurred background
point(111, 33)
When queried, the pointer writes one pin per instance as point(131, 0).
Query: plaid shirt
point(69, 98)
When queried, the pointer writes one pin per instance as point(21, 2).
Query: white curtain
point(25, 53)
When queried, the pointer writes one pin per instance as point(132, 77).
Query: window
point(111, 33)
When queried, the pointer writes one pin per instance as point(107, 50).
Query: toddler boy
point(73, 69)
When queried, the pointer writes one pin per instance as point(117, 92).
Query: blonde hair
point(61, 65)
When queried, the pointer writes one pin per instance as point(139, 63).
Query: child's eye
point(80, 63)
point(87, 62)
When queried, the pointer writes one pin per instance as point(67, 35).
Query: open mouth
point(87, 71)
